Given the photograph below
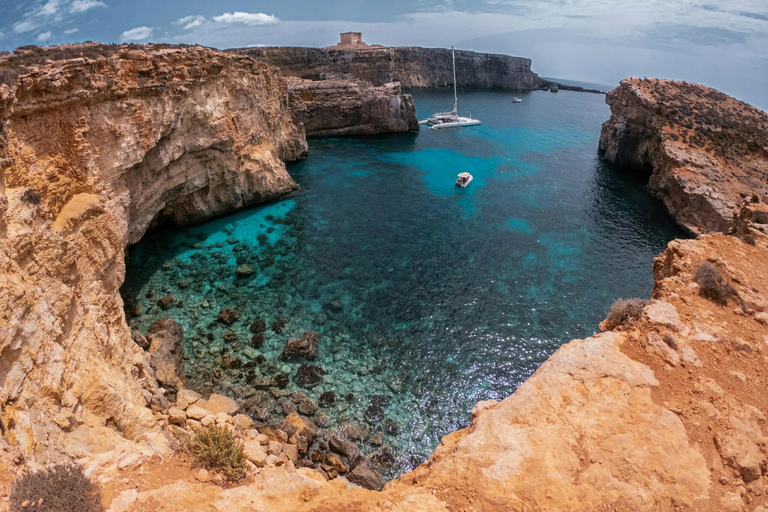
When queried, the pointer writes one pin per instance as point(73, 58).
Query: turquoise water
point(426, 298)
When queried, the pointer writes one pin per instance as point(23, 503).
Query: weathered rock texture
point(706, 151)
point(343, 107)
point(411, 66)
point(94, 150)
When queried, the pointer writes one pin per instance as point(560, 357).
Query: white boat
point(517, 100)
point(450, 119)
point(464, 179)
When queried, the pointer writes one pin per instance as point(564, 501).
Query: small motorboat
point(464, 179)
point(517, 100)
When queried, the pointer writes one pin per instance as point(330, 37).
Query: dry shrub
point(63, 488)
point(215, 448)
point(625, 312)
point(712, 284)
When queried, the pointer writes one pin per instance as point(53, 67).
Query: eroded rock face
point(706, 151)
point(109, 145)
point(334, 108)
point(411, 66)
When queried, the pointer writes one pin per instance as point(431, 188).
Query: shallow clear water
point(427, 298)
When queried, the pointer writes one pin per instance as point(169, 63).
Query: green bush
point(216, 449)
point(63, 488)
point(625, 312)
point(712, 284)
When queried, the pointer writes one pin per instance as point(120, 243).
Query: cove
point(426, 298)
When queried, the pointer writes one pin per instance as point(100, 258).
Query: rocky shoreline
point(663, 411)
point(705, 152)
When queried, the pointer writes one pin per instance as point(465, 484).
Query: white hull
point(469, 180)
point(517, 100)
point(456, 124)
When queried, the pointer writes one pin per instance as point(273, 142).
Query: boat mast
point(455, 95)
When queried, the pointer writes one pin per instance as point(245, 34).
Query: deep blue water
point(427, 298)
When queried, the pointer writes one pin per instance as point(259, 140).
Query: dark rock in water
point(229, 362)
point(374, 413)
point(210, 336)
point(134, 310)
point(366, 477)
point(230, 336)
point(320, 319)
point(383, 460)
point(165, 351)
point(257, 340)
point(228, 316)
point(327, 399)
point(301, 348)
point(289, 407)
point(258, 325)
point(391, 427)
point(307, 406)
point(279, 324)
point(140, 340)
point(245, 270)
point(260, 359)
point(380, 400)
point(334, 306)
point(377, 439)
point(184, 283)
point(415, 460)
point(166, 302)
point(343, 447)
point(281, 380)
point(320, 418)
point(353, 431)
point(308, 376)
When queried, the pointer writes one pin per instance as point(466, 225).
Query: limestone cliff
point(705, 151)
point(411, 66)
point(97, 143)
point(342, 107)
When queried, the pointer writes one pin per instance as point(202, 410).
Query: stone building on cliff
point(352, 41)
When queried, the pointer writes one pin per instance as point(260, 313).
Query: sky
point(720, 43)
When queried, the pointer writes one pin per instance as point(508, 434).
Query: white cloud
point(49, 9)
point(25, 25)
point(71, 31)
point(248, 18)
point(190, 22)
point(136, 34)
point(45, 36)
point(84, 5)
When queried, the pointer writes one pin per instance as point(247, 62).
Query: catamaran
point(450, 119)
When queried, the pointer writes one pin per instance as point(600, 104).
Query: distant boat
point(451, 119)
point(517, 99)
point(464, 179)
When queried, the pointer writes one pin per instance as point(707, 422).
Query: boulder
point(219, 403)
point(302, 348)
point(165, 352)
point(228, 316)
point(663, 313)
point(343, 447)
point(177, 416)
point(196, 413)
point(255, 453)
point(186, 397)
point(166, 302)
point(258, 326)
point(140, 340)
point(366, 477)
point(301, 432)
point(245, 270)
point(308, 375)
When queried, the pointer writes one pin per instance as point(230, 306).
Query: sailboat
point(450, 119)
point(517, 99)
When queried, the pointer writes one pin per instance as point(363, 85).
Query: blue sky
point(721, 43)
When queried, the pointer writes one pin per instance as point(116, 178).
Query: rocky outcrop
point(705, 151)
point(93, 151)
point(411, 66)
point(332, 108)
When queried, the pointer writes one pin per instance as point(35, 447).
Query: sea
point(426, 298)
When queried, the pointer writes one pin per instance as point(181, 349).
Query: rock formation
point(93, 151)
point(332, 108)
point(411, 66)
point(704, 151)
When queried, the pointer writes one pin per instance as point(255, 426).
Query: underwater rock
point(281, 380)
point(228, 316)
point(257, 340)
point(327, 398)
point(230, 335)
point(279, 324)
point(343, 447)
point(307, 406)
point(374, 413)
point(391, 427)
point(308, 375)
point(302, 348)
point(377, 439)
point(230, 362)
point(245, 270)
point(166, 302)
point(334, 306)
point(258, 326)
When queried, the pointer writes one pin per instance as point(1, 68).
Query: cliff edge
point(705, 151)
point(413, 67)
point(97, 143)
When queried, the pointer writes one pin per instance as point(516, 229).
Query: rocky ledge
point(98, 143)
point(704, 151)
point(413, 67)
point(333, 108)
